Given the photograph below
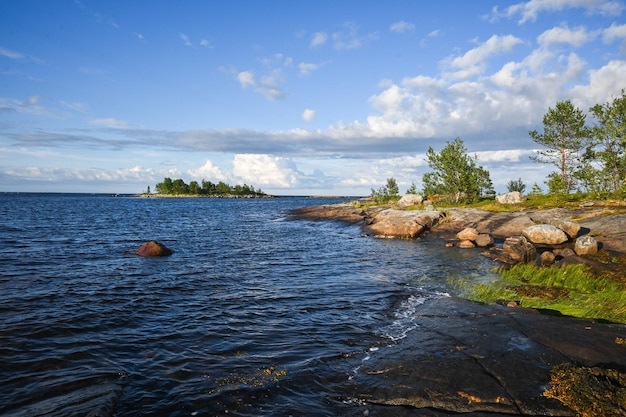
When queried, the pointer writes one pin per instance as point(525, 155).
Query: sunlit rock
point(514, 197)
point(546, 234)
point(153, 248)
point(586, 245)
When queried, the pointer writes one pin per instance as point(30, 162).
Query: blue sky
point(295, 98)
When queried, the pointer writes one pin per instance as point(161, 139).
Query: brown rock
point(483, 240)
point(571, 228)
point(518, 248)
point(402, 224)
point(564, 253)
point(586, 245)
point(545, 234)
point(547, 258)
point(469, 233)
point(466, 244)
point(153, 248)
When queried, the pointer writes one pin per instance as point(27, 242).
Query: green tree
point(608, 144)
point(412, 189)
point(194, 188)
point(223, 188)
point(564, 135)
point(207, 187)
point(536, 189)
point(386, 193)
point(516, 185)
point(165, 187)
point(456, 174)
point(179, 187)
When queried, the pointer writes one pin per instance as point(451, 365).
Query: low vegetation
point(571, 290)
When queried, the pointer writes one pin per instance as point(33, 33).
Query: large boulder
point(469, 233)
point(401, 224)
point(153, 248)
point(571, 228)
point(546, 234)
point(410, 200)
point(514, 197)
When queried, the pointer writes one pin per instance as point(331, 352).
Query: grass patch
point(571, 290)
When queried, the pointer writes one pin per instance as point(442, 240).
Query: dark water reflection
point(253, 314)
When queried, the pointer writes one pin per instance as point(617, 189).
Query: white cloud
point(246, 79)
point(208, 171)
point(206, 43)
point(265, 170)
point(350, 38)
point(308, 115)
point(111, 123)
point(577, 37)
point(7, 53)
point(185, 39)
point(614, 32)
point(268, 85)
point(530, 10)
point(307, 69)
point(509, 155)
point(474, 59)
point(318, 39)
point(402, 27)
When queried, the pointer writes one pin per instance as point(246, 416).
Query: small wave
point(404, 317)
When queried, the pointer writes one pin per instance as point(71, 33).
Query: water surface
point(254, 314)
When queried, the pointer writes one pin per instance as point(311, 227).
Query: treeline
point(589, 158)
point(206, 188)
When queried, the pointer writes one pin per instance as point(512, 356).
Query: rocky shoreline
point(490, 360)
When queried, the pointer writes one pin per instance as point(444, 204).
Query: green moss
point(571, 290)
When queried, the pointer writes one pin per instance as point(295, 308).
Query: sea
point(254, 314)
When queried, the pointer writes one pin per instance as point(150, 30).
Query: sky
point(291, 97)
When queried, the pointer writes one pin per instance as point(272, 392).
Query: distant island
point(178, 188)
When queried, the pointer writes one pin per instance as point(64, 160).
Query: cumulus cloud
point(473, 62)
point(268, 85)
point(614, 32)
point(308, 115)
point(208, 171)
point(575, 37)
point(265, 170)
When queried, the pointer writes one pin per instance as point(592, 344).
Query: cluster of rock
point(510, 237)
point(550, 235)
